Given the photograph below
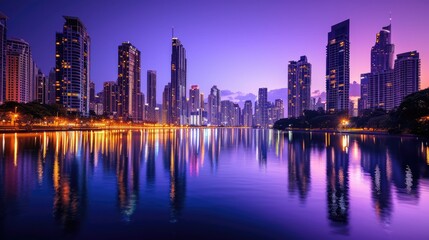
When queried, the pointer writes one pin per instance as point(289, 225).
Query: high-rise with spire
point(299, 87)
point(178, 103)
point(381, 80)
point(72, 67)
point(338, 68)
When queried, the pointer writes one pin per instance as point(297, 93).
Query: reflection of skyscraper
point(299, 165)
point(128, 174)
point(337, 173)
point(151, 155)
point(262, 142)
point(338, 68)
point(378, 165)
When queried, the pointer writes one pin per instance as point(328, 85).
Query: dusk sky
point(238, 45)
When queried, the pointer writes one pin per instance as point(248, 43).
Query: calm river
point(213, 184)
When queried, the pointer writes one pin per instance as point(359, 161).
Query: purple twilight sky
point(239, 45)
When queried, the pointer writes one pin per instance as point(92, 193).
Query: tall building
point(227, 113)
point(19, 73)
point(51, 86)
point(166, 108)
point(299, 87)
point(178, 83)
point(380, 88)
point(195, 108)
point(214, 106)
point(278, 111)
point(151, 95)
point(364, 93)
point(42, 88)
point(92, 102)
point(407, 75)
point(248, 114)
point(129, 82)
point(338, 68)
point(3, 43)
point(72, 67)
point(110, 98)
point(263, 107)
point(382, 52)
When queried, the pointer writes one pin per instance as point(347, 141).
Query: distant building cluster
point(389, 82)
point(384, 87)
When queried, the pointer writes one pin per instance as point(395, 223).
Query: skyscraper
point(72, 67)
point(364, 83)
point(407, 75)
point(166, 108)
point(338, 68)
point(263, 107)
point(248, 114)
point(382, 51)
point(214, 106)
point(195, 109)
point(110, 98)
point(299, 83)
point(178, 83)
point(3, 42)
point(42, 88)
point(18, 71)
point(129, 82)
point(151, 95)
point(380, 88)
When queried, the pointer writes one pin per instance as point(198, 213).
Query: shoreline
point(67, 129)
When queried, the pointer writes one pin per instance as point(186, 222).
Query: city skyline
point(241, 65)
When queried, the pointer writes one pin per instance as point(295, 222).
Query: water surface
point(213, 184)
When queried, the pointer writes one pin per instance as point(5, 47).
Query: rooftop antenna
point(390, 18)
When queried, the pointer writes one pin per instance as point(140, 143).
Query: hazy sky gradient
point(239, 45)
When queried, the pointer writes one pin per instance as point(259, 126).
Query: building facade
point(263, 107)
point(299, 87)
point(72, 67)
point(407, 75)
point(338, 68)
point(3, 44)
point(177, 106)
point(129, 82)
point(214, 106)
point(248, 114)
point(151, 95)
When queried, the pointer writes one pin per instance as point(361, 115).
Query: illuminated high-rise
point(72, 67)
point(214, 106)
point(151, 95)
point(299, 87)
point(407, 75)
point(178, 103)
point(247, 114)
point(129, 93)
point(3, 42)
point(19, 75)
point(263, 107)
point(338, 68)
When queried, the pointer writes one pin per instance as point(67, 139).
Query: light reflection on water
point(192, 182)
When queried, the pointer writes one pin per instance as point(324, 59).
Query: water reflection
point(65, 167)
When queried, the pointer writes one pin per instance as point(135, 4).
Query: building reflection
point(337, 179)
point(175, 156)
point(69, 179)
point(262, 146)
point(128, 173)
point(378, 164)
point(299, 165)
point(151, 149)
